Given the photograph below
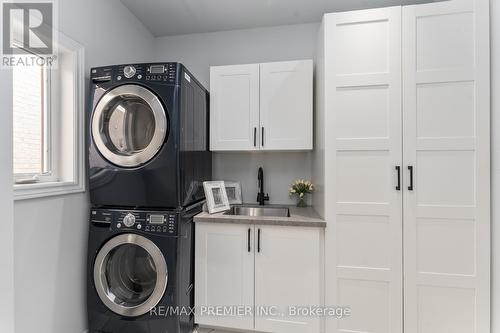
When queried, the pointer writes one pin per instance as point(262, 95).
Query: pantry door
point(363, 89)
point(446, 146)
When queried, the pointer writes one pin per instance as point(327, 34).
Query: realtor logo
point(27, 28)
point(29, 33)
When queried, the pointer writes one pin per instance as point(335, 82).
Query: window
point(32, 125)
point(47, 125)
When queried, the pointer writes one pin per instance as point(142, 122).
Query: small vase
point(301, 202)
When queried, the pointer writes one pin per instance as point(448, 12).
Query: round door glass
point(129, 125)
point(130, 275)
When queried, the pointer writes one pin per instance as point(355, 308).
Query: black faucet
point(261, 198)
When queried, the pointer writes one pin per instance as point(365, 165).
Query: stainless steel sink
point(259, 211)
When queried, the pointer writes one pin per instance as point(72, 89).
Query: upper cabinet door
point(286, 104)
point(234, 107)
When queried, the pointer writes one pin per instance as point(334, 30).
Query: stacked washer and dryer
point(148, 158)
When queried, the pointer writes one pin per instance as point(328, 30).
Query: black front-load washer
point(148, 138)
point(140, 276)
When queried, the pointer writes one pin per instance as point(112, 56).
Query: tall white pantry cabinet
point(402, 125)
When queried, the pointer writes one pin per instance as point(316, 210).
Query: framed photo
point(216, 195)
point(233, 191)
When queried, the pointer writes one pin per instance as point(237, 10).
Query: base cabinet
point(272, 270)
point(287, 277)
point(224, 268)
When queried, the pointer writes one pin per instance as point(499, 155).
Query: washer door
point(130, 275)
point(129, 125)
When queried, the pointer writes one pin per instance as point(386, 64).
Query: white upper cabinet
point(234, 107)
point(265, 106)
point(286, 90)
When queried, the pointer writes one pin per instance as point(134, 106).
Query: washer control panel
point(157, 222)
point(161, 73)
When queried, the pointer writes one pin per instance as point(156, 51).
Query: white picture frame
point(215, 193)
point(233, 191)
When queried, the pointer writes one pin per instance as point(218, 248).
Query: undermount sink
point(259, 211)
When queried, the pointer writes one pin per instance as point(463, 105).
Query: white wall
point(6, 206)
point(50, 234)
point(200, 51)
point(495, 160)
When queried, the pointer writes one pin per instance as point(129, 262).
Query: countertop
point(299, 217)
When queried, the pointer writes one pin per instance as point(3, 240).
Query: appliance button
point(139, 226)
point(139, 76)
point(119, 78)
point(119, 225)
point(129, 71)
point(147, 228)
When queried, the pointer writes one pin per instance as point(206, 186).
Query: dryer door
point(130, 275)
point(129, 125)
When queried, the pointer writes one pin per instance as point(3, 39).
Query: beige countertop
point(299, 217)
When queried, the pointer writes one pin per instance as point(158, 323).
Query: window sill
point(46, 189)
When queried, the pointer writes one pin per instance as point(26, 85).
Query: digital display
point(157, 69)
point(156, 219)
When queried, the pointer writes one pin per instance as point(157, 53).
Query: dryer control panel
point(157, 222)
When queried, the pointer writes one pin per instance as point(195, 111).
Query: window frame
point(66, 119)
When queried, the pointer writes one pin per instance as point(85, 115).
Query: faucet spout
point(261, 197)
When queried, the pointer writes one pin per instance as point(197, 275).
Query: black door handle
point(398, 169)
point(258, 240)
point(262, 136)
point(249, 248)
point(255, 136)
point(410, 188)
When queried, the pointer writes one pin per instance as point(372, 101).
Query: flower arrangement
point(300, 188)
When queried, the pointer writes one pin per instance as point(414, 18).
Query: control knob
point(129, 71)
point(129, 220)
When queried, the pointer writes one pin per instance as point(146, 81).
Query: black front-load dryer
point(148, 137)
point(140, 272)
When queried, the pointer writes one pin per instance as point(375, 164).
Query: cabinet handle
point(398, 169)
point(262, 136)
point(249, 249)
point(255, 136)
point(258, 241)
point(410, 188)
